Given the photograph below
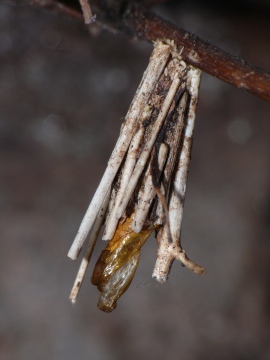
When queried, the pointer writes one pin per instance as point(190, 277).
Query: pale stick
point(112, 221)
point(156, 66)
point(167, 252)
point(147, 192)
point(160, 213)
point(169, 237)
point(173, 141)
point(88, 253)
point(87, 12)
point(112, 199)
point(148, 146)
point(180, 181)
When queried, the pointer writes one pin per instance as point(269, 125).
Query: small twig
point(167, 253)
point(180, 180)
point(87, 12)
point(160, 211)
point(112, 221)
point(58, 7)
point(147, 191)
point(169, 236)
point(146, 151)
point(87, 256)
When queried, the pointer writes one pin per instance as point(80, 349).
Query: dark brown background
point(63, 95)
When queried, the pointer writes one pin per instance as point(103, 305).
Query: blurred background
point(64, 91)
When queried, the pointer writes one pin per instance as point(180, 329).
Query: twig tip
point(91, 20)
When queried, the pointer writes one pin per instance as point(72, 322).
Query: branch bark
point(133, 20)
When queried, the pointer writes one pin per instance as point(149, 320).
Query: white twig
point(87, 256)
point(179, 187)
point(147, 192)
point(148, 147)
point(157, 63)
point(174, 140)
point(130, 161)
point(87, 12)
point(169, 237)
point(169, 251)
point(160, 213)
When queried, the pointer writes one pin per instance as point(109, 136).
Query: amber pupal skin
point(117, 264)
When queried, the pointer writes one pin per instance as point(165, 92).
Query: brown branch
point(58, 8)
point(133, 20)
point(201, 54)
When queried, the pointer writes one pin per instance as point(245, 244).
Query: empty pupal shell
point(117, 264)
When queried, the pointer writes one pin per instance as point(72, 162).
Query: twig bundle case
point(143, 187)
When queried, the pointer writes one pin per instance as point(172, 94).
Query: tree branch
point(133, 20)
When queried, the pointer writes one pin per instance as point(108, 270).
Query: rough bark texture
point(133, 20)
